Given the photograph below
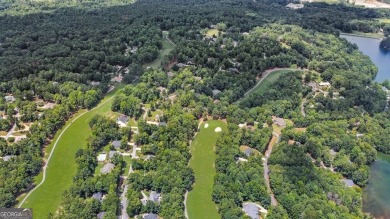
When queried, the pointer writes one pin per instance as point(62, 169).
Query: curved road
point(53, 149)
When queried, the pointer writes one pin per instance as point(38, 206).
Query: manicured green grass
point(166, 49)
point(199, 202)
point(62, 166)
point(384, 20)
point(266, 83)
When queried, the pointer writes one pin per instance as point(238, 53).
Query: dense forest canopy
point(68, 56)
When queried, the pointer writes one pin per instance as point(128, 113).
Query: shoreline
point(360, 35)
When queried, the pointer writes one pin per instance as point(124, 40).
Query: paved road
point(10, 132)
point(268, 152)
point(124, 203)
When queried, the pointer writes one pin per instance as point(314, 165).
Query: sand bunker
point(206, 125)
point(218, 129)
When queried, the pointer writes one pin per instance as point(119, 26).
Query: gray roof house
point(150, 216)
point(154, 196)
point(116, 144)
point(123, 118)
point(248, 152)
point(280, 122)
point(251, 210)
point(101, 215)
point(215, 92)
point(98, 196)
point(348, 182)
point(112, 153)
point(107, 168)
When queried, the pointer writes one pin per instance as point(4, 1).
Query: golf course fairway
point(199, 202)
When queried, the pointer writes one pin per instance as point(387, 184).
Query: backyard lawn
point(62, 165)
point(199, 202)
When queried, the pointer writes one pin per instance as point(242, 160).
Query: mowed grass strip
point(265, 84)
point(62, 165)
point(199, 202)
point(167, 47)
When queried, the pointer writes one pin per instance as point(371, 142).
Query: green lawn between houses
point(199, 202)
point(62, 165)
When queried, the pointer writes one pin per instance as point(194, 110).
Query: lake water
point(370, 47)
point(376, 195)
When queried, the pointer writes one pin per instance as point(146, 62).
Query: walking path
point(53, 149)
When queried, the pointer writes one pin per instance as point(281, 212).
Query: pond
point(376, 195)
point(370, 47)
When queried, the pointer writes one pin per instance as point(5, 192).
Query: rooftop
point(116, 144)
point(251, 210)
point(107, 168)
point(101, 157)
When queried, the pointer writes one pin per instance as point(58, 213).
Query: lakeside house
point(348, 182)
point(107, 168)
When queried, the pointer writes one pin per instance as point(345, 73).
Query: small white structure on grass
point(218, 129)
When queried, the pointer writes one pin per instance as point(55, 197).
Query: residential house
point(154, 196)
point(122, 120)
point(98, 196)
point(101, 157)
point(216, 92)
point(117, 144)
point(324, 84)
point(112, 154)
point(251, 209)
point(107, 168)
point(150, 216)
point(248, 152)
point(101, 215)
point(8, 157)
point(279, 121)
point(95, 83)
point(117, 79)
point(295, 6)
point(10, 99)
point(348, 182)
